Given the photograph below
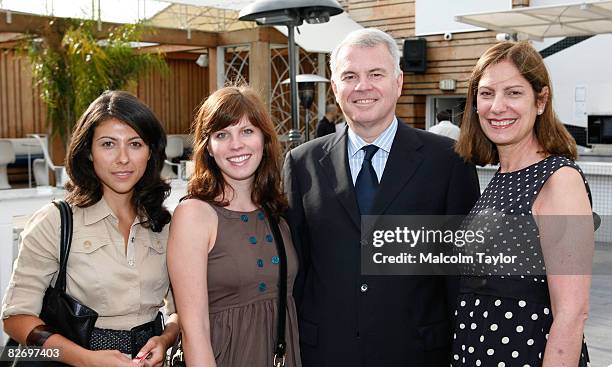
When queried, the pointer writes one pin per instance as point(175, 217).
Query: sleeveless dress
point(242, 291)
point(504, 320)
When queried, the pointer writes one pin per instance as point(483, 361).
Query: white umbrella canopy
point(539, 22)
point(323, 37)
point(310, 37)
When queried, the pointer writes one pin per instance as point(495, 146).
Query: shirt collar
point(100, 211)
point(383, 141)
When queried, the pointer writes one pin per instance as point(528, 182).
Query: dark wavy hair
point(84, 187)
point(473, 145)
point(223, 108)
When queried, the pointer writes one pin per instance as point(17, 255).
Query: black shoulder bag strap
point(65, 241)
point(281, 346)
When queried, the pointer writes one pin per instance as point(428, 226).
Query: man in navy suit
point(381, 166)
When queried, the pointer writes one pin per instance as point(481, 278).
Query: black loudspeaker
point(415, 55)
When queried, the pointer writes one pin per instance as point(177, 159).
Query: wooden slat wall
point(445, 59)
point(393, 16)
point(449, 60)
point(175, 97)
point(21, 110)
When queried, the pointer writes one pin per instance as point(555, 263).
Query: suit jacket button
point(364, 287)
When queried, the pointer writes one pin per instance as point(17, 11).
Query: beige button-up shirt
point(126, 288)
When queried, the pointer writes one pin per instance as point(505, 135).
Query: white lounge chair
point(174, 149)
point(7, 156)
point(40, 170)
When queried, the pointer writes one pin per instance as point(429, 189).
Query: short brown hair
point(226, 107)
point(473, 145)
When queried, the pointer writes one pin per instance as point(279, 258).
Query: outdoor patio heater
point(291, 13)
point(306, 92)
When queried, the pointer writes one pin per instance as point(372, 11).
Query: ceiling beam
point(9, 45)
point(259, 34)
point(166, 49)
point(31, 23)
point(170, 36)
point(4, 37)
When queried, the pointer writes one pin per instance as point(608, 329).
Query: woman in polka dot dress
point(522, 313)
point(222, 258)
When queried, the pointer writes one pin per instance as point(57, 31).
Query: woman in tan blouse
point(117, 262)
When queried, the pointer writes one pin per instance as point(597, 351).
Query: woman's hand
point(153, 353)
point(19, 326)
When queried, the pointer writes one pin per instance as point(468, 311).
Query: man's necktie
point(366, 184)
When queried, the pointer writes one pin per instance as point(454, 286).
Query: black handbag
point(65, 314)
point(177, 357)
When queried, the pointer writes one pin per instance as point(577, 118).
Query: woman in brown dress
point(222, 258)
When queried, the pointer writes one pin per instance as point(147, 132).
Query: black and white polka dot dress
point(503, 319)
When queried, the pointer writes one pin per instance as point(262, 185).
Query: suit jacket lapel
point(336, 168)
point(403, 161)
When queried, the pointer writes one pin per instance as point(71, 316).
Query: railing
point(599, 177)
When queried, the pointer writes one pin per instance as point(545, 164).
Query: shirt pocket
point(90, 275)
point(88, 244)
point(156, 246)
point(154, 270)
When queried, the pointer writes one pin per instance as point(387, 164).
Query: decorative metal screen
point(236, 71)
point(280, 95)
point(280, 99)
point(236, 65)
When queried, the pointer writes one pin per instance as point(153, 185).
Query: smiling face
point(119, 157)
point(366, 87)
point(507, 105)
point(237, 150)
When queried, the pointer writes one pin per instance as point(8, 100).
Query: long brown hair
point(473, 145)
point(84, 187)
point(225, 107)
